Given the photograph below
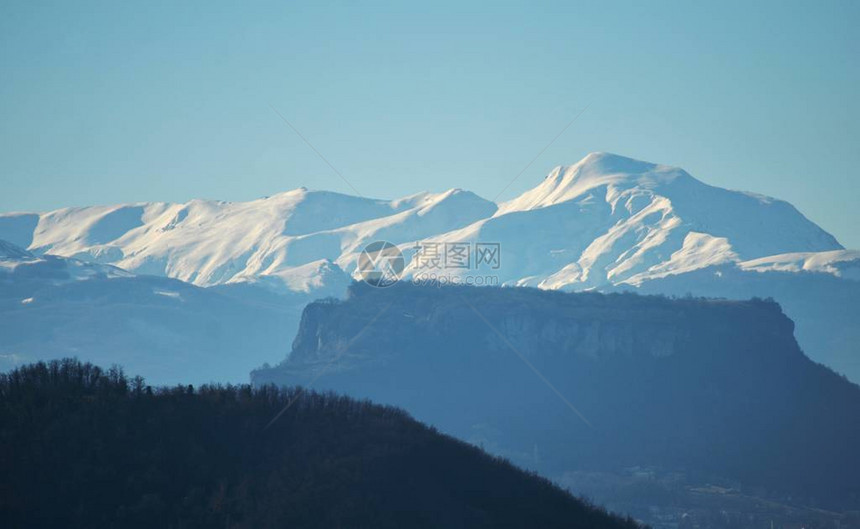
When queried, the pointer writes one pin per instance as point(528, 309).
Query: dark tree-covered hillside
point(84, 447)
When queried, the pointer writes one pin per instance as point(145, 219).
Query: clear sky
point(110, 102)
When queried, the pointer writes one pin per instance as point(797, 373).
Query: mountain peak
point(565, 183)
point(610, 163)
point(598, 168)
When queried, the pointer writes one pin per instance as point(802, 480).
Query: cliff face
point(570, 382)
point(372, 326)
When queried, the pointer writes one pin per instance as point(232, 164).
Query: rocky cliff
point(562, 383)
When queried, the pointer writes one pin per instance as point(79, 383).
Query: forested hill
point(84, 447)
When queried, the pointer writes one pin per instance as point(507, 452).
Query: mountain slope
point(269, 241)
point(715, 390)
point(604, 220)
point(18, 267)
point(825, 307)
point(205, 458)
point(165, 329)
point(610, 219)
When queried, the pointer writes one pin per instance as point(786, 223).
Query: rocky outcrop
point(584, 326)
point(714, 389)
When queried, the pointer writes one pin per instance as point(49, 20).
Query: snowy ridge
point(17, 264)
point(841, 263)
point(610, 220)
point(606, 220)
point(278, 241)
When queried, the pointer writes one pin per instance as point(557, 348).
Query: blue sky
point(112, 102)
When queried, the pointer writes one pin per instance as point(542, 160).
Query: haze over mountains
point(110, 451)
point(607, 223)
point(169, 330)
point(584, 387)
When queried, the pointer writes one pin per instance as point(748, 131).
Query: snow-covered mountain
point(297, 241)
point(610, 220)
point(18, 265)
point(607, 222)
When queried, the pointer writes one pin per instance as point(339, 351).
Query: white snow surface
point(841, 263)
point(606, 220)
point(17, 262)
point(610, 220)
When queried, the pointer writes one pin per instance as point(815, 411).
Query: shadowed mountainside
point(82, 447)
point(714, 389)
